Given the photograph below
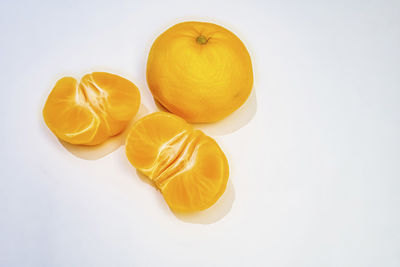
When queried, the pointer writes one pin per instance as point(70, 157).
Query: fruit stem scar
point(201, 39)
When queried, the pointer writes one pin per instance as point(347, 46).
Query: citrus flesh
point(88, 112)
point(199, 71)
point(187, 166)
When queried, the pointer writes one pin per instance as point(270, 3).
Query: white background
point(314, 154)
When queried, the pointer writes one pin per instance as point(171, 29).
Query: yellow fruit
point(187, 166)
point(99, 106)
point(199, 71)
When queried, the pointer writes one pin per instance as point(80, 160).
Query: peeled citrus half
point(199, 71)
point(88, 112)
point(187, 166)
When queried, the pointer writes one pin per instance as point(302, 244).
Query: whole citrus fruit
point(199, 71)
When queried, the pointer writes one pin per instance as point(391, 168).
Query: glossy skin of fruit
point(90, 111)
point(187, 166)
point(199, 71)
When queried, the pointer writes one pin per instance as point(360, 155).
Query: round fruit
point(187, 166)
point(99, 106)
point(199, 71)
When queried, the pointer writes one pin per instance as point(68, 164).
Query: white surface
point(315, 156)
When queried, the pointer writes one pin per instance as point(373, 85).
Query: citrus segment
point(88, 112)
point(152, 133)
point(187, 166)
point(121, 95)
point(72, 123)
point(200, 186)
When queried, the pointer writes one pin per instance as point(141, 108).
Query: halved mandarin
point(187, 166)
point(90, 111)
